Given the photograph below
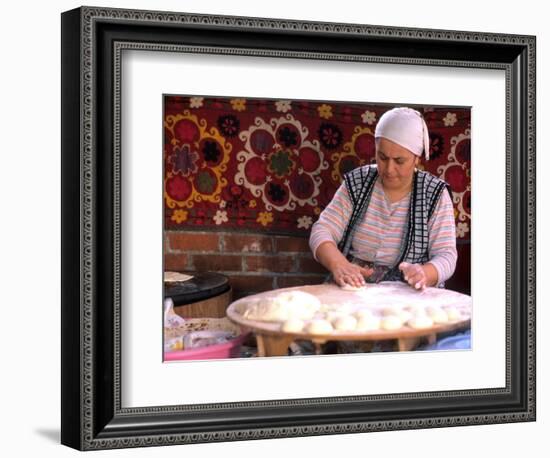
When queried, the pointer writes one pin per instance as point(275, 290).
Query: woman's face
point(395, 164)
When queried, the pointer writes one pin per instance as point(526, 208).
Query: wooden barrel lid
point(203, 285)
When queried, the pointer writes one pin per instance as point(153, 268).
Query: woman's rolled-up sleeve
point(442, 238)
point(332, 221)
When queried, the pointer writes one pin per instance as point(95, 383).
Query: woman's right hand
point(343, 271)
point(346, 273)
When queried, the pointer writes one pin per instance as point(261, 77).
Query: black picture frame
point(92, 415)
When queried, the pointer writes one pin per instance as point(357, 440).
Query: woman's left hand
point(414, 274)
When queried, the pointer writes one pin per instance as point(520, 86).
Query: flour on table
point(347, 287)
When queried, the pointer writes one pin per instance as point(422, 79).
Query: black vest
point(425, 195)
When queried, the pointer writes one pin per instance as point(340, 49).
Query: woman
point(390, 221)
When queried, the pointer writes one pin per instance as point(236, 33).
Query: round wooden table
point(272, 341)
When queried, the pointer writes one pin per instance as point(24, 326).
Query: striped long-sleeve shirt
point(379, 237)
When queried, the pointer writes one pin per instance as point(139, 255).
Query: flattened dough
point(284, 306)
point(347, 287)
point(172, 277)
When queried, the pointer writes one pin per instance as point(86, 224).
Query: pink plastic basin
point(229, 349)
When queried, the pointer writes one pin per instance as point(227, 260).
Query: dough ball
point(404, 315)
point(333, 315)
point(363, 313)
point(420, 321)
point(453, 314)
point(437, 314)
point(368, 323)
point(319, 327)
point(400, 312)
point(391, 322)
point(345, 323)
point(292, 325)
point(391, 310)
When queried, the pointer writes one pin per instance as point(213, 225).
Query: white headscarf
point(407, 128)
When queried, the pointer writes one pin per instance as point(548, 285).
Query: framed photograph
point(203, 150)
point(243, 177)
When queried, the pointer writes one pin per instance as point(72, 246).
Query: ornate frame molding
point(101, 421)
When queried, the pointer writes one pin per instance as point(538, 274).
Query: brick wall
point(252, 262)
point(256, 262)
